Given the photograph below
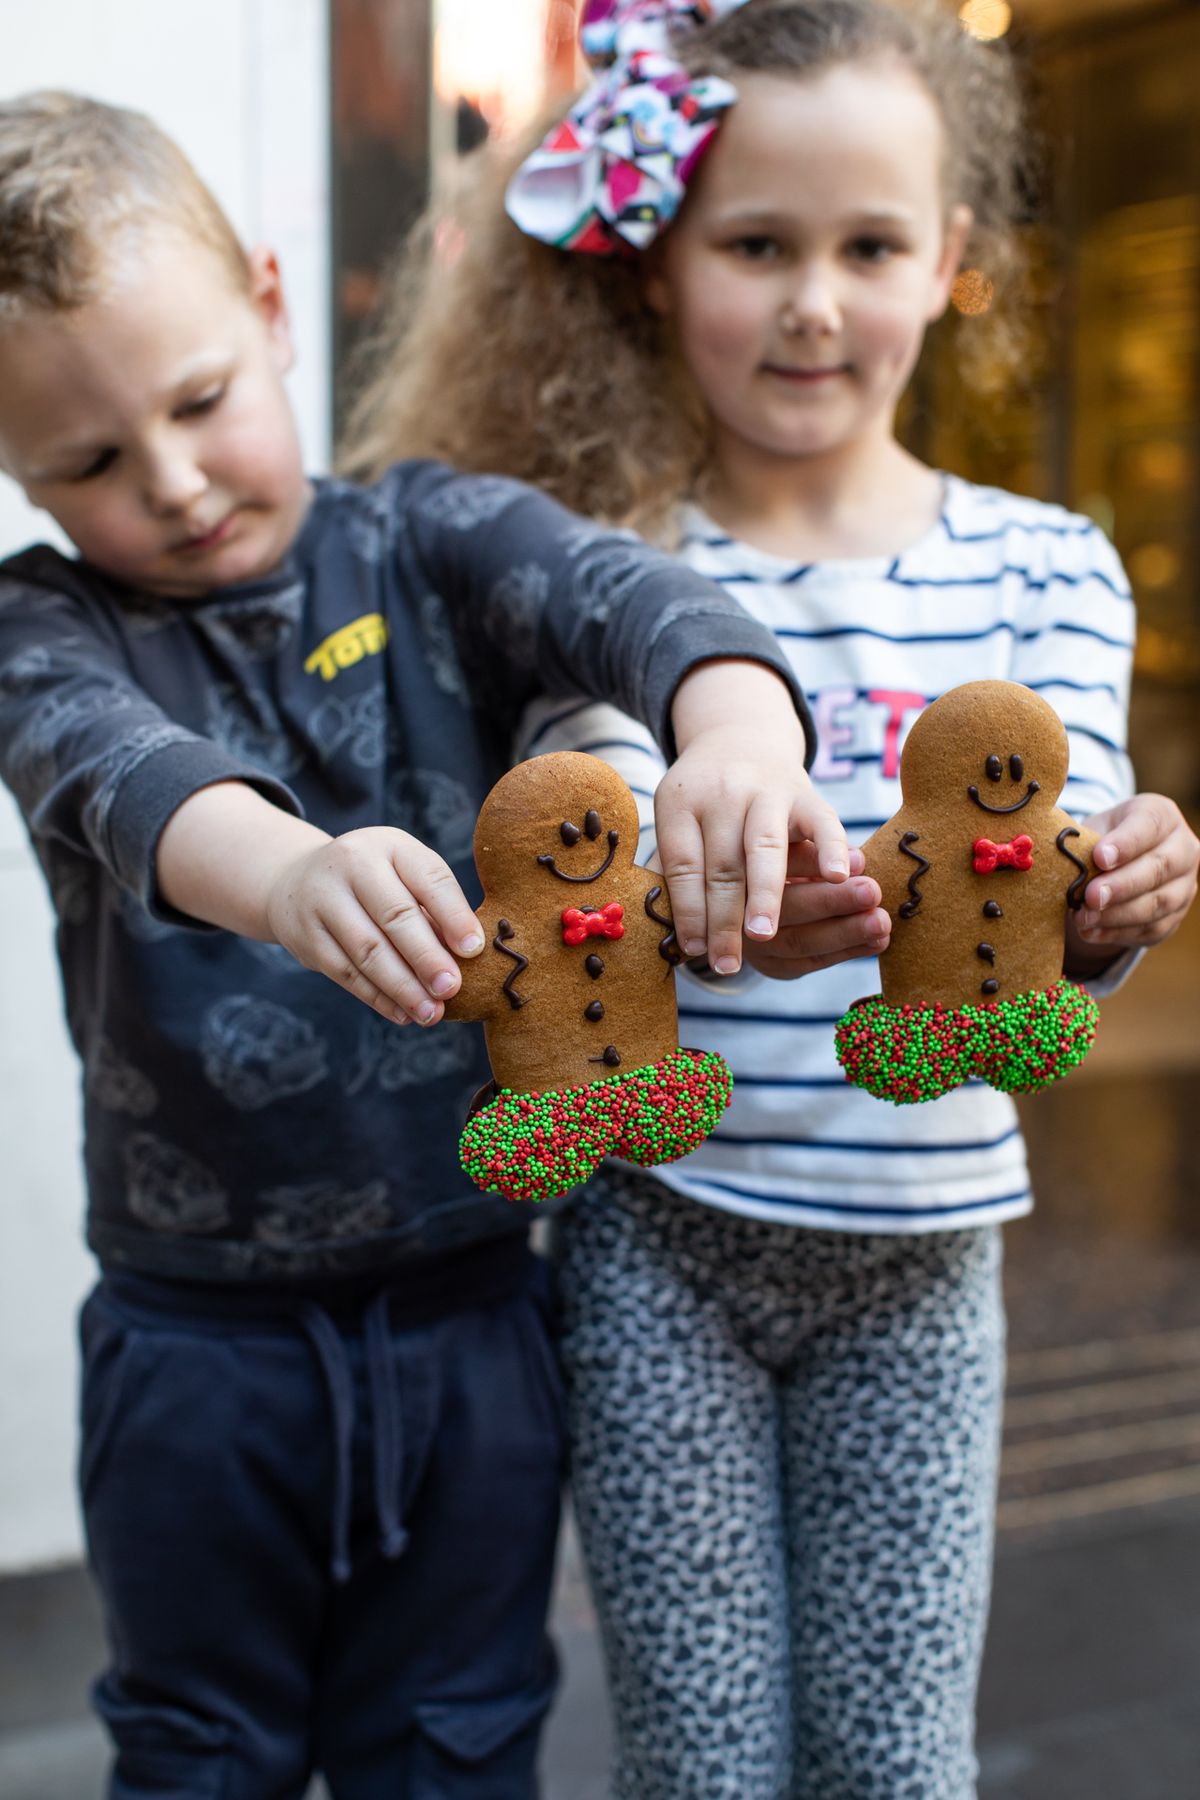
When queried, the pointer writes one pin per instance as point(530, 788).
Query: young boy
point(321, 1417)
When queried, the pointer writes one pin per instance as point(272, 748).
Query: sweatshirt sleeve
point(550, 603)
point(91, 760)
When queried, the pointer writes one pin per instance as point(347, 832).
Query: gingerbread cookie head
point(575, 989)
point(978, 869)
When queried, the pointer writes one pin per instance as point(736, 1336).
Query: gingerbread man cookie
point(978, 870)
point(575, 990)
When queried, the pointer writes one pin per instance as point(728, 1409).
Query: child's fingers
point(348, 948)
point(1138, 825)
point(821, 825)
point(766, 844)
point(803, 864)
point(811, 902)
point(681, 855)
point(1147, 917)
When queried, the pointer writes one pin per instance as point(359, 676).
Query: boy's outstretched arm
point(357, 908)
point(733, 805)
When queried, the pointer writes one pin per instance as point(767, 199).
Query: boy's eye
point(100, 465)
point(203, 403)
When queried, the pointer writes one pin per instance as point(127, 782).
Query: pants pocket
point(162, 1751)
point(105, 1344)
point(479, 1749)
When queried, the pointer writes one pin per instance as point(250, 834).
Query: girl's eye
point(570, 834)
point(993, 768)
point(1016, 768)
point(204, 403)
point(100, 466)
point(872, 249)
point(592, 825)
point(757, 248)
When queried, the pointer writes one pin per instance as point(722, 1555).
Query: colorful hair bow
point(988, 856)
point(605, 922)
point(612, 176)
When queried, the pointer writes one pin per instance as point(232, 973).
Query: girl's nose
point(174, 479)
point(812, 305)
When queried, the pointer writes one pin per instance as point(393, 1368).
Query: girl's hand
point(1148, 856)
point(373, 910)
point(729, 809)
point(822, 922)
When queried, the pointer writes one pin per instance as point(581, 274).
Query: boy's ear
point(954, 245)
point(269, 301)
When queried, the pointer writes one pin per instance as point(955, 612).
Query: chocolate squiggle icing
point(910, 906)
point(1075, 891)
point(669, 948)
point(504, 931)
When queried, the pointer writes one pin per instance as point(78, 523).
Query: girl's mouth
point(810, 376)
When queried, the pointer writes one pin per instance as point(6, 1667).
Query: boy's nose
point(174, 479)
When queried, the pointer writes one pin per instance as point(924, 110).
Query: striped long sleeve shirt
point(1000, 588)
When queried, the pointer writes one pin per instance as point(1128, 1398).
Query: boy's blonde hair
point(75, 175)
point(500, 353)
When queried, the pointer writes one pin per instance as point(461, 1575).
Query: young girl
point(786, 1353)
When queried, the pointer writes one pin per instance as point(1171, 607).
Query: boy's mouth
point(208, 540)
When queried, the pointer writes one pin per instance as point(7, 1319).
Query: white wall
point(243, 86)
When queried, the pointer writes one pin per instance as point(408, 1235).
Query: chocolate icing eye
point(568, 833)
point(1016, 768)
point(993, 768)
point(591, 824)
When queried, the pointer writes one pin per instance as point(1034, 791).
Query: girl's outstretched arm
point(1148, 856)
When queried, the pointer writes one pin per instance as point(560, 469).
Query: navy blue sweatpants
point(323, 1541)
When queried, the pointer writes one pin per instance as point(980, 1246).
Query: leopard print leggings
point(785, 1450)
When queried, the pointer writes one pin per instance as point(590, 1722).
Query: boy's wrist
point(223, 853)
point(731, 695)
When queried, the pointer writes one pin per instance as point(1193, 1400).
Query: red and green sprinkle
point(908, 1054)
point(532, 1146)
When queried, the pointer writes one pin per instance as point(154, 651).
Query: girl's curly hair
point(499, 353)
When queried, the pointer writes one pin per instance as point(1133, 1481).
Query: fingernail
point(442, 984)
point(400, 1017)
point(727, 965)
point(470, 945)
point(863, 895)
point(426, 1011)
point(835, 868)
point(1105, 897)
point(878, 944)
point(1105, 856)
point(694, 947)
point(1087, 921)
point(760, 927)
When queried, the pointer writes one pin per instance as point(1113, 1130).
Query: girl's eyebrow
point(762, 218)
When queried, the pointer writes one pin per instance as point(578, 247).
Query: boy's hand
point(366, 909)
point(1148, 856)
point(729, 808)
point(822, 922)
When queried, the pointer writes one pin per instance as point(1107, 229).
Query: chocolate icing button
point(611, 1057)
point(992, 909)
point(594, 966)
point(595, 1011)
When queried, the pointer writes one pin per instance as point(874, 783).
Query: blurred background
point(323, 126)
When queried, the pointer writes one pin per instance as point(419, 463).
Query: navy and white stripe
point(1003, 588)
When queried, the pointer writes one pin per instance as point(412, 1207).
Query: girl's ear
point(656, 288)
point(267, 298)
point(954, 244)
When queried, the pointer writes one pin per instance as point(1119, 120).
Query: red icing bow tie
point(580, 925)
point(989, 856)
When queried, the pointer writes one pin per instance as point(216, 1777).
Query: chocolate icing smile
point(548, 862)
point(1016, 805)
